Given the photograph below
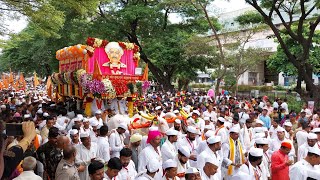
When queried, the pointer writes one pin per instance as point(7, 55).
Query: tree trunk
point(186, 84)
point(180, 84)
point(217, 86)
point(237, 85)
point(309, 72)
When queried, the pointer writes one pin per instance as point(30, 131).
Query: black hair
point(168, 169)
point(53, 132)
point(259, 145)
point(254, 158)
point(180, 153)
point(126, 152)
point(104, 130)
point(115, 163)
point(94, 166)
point(312, 154)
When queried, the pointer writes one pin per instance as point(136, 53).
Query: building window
point(252, 79)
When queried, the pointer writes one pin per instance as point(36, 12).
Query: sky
point(218, 6)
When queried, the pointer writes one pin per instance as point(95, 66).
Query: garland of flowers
point(93, 43)
point(120, 86)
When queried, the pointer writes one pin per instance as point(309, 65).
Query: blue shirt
point(266, 120)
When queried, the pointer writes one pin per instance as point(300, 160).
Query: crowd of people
point(216, 138)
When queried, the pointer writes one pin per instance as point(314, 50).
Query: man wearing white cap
point(177, 126)
point(275, 144)
point(182, 160)
point(86, 126)
point(303, 149)
point(203, 144)
point(116, 140)
point(263, 143)
point(305, 168)
point(153, 166)
point(190, 142)
point(253, 166)
point(168, 149)
point(198, 122)
point(77, 120)
point(74, 136)
point(94, 132)
point(288, 133)
point(233, 153)
point(85, 153)
point(192, 174)
point(317, 132)
point(97, 118)
point(170, 170)
point(221, 130)
point(208, 171)
point(119, 106)
point(212, 151)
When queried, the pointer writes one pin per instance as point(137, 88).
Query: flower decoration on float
point(93, 43)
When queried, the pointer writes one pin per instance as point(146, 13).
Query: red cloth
point(279, 169)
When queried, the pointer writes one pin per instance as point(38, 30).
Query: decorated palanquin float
point(100, 70)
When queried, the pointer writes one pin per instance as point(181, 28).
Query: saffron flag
point(35, 80)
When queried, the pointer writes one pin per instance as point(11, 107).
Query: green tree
point(300, 13)
point(279, 61)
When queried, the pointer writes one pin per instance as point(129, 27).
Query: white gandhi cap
point(184, 150)
point(171, 132)
point(192, 170)
point(153, 165)
point(169, 164)
point(256, 152)
point(213, 139)
point(314, 150)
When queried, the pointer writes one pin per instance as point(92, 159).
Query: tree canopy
point(163, 44)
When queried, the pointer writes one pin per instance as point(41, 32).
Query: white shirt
point(28, 175)
point(144, 176)
point(273, 132)
point(116, 142)
point(94, 118)
point(103, 148)
point(246, 137)
point(181, 167)
point(84, 157)
point(209, 153)
point(250, 170)
point(265, 166)
point(223, 134)
point(212, 115)
point(168, 151)
point(205, 177)
point(192, 145)
point(301, 171)
point(144, 157)
point(275, 145)
point(302, 137)
point(129, 172)
point(118, 106)
point(243, 116)
point(284, 105)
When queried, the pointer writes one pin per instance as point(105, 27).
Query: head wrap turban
point(152, 135)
